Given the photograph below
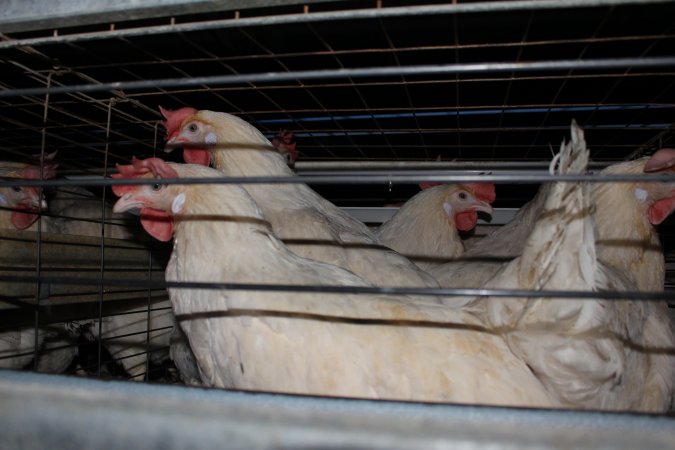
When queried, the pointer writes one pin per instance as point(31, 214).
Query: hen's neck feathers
point(244, 151)
point(422, 228)
point(617, 203)
point(215, 201)
point(627, 240)
point(241, 150)
point(221, 223)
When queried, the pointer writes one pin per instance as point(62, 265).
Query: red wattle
point(466, 221)
point(196, 156)
point(23, 220)
point(158, 224)
point(660, 210)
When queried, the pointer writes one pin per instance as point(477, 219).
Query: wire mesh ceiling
point(380, 81)
point(361, 84)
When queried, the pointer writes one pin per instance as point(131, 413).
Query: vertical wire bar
point(111, 102)
point(77, 96)
point(38, 262)
point(149, 315)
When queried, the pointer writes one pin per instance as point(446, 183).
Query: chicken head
point(174, 119)
point(25, 201)
point(660, 196)
point(195, 136)
point(463, 204)
point(157, 202)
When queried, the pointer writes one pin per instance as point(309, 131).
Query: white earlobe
point(3, 200)
point(178, 203)
point(640, 194)
point(448, 209)
point(211, 139)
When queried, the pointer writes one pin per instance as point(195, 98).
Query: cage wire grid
point(374, 91)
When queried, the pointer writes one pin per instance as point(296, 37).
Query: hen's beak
point(34, 205)
point(33, 199)
point(125, 203)
point(483, 207)
point(174, 142)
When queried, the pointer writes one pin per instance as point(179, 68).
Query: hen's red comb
point(483, 191)
point(138, 168)
point(174, 119)
point(662, 159)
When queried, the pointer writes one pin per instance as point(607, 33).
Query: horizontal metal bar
point(28, 15)
point(397, 71)
point(74, 413)
point(465, 167)
point(366, 290)
point(304, 168)
point(500, 216)
point(13, 24)
point(323, 116)
point(361, 177)
point(146, 331)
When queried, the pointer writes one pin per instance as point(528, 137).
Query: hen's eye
point(192, 128)
point(157, 186)
point(463, 196)
point(16, 189)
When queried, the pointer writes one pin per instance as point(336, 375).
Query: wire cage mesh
point(379, 95)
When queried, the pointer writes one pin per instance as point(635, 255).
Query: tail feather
point(562, 244)
point(587, 352)
point(560, 251)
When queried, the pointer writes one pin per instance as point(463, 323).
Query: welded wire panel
point(57, 326)
point(358, 83)
point(486, 113)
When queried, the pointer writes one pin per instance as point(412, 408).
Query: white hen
point(425, 228)
point(589, 353)
point(19, 209)
point(323, 344)
point(310, 225)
